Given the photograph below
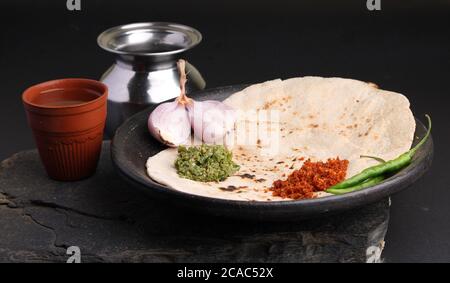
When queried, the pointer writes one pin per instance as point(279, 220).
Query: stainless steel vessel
point(145, 70)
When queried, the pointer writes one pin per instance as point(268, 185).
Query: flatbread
point(297, 119)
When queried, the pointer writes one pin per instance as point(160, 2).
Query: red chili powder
point(311, 177)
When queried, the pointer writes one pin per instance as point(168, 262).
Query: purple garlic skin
point(211, 120)
point(169, 123)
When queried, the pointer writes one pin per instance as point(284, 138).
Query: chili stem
point(414, 149)
point(379, 159)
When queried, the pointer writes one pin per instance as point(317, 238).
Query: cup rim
point(43, 85)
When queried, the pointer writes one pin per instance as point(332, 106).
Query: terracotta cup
point(67, 118)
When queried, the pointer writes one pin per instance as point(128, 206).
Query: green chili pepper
point(383, 168)
point(367, 183)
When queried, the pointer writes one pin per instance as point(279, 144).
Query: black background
point(405, 47)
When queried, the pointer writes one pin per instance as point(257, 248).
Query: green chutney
point(205, 163)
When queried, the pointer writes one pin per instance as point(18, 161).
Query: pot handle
point(197, 78)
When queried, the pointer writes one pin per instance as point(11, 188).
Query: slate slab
point(112, 222)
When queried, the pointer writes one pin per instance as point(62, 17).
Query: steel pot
point(145, 71)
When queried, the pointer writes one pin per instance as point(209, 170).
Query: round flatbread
point(281, 123)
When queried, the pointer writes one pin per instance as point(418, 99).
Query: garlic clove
point(169, 123)
point(211, 120)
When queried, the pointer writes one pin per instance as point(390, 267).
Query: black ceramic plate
point(133, 145)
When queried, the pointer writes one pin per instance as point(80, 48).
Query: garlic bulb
point(171, 122)
point(211, 120)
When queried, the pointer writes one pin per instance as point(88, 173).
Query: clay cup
point(67, 118)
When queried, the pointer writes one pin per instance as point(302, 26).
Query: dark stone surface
point(112, 222)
